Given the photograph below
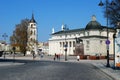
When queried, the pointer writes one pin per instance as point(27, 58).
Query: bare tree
point(113, 12)
point(19, 36)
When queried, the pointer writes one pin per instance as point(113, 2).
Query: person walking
point(59, 57)
point(78, 57)
point(55, 56)
point(33, 53)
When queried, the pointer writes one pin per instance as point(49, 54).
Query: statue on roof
point(93, 18)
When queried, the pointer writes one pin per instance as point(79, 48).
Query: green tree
point(19, 37)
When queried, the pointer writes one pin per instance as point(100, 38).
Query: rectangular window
point(87, 46)
point(60, 44)
point(73, 43)
point(66, 44)
point(100, 41)
point(87, 42)
point(70, 44)
point(63, 44)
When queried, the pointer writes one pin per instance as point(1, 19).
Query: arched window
point(31, 39)
point(31, 32)
point(31, 25)
point(34, 32)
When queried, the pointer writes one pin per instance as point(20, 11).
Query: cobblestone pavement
point(101, 64)
point(115, 73)
point(9, 64)
point(53, 70)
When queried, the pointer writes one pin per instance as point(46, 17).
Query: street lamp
point(115, 42)
point(5, 36)
point(114, 36)
point(14, 53)
point(107, 41)
point(65, 46)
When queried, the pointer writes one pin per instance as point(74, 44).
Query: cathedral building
point(91, 40)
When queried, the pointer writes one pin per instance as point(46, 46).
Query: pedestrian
point(41, 55)
point(33, 53)
point(59, 56)
point(55, 56)
point(78, 57)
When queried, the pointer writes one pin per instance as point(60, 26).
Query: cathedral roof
point(68, 31)
point(95, 36)
point(93, 24)
point(32, 19)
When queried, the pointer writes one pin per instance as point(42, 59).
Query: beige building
point(4, 46)
point(43, 47)
point(93, 39)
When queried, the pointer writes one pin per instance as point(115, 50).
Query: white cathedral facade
point(93, 39)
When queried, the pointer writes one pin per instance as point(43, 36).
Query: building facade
point(43, 47)
point(91, 40)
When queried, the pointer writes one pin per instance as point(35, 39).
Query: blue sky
point(48, 14)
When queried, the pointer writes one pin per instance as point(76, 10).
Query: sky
point(48, 14)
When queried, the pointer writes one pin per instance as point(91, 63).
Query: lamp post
point(14, 53)
point(114, 36)
point(5, 36)
point(107, 41)
point(65, 46)
point(116, 43)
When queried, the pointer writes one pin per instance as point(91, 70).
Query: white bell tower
point(32, 36)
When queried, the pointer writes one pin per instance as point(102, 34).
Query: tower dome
point(93, 24)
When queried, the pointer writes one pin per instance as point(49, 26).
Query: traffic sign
point(107, 42)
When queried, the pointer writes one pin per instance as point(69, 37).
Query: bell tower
point(32, 36)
